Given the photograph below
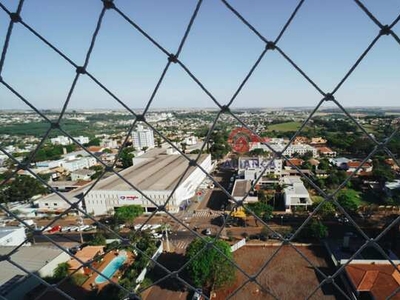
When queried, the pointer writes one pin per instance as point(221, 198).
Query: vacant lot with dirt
point(287, 276)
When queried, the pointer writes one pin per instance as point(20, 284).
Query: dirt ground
point(287, 276)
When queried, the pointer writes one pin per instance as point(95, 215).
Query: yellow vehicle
point(238, 212)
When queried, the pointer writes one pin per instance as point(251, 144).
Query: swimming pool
point(111, 268)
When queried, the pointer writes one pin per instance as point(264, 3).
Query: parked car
point(157, 235)
point(65, 228)
point(289, 236)
point(207, 231)
point(155, 226)
point(197, 294)
point(56, 228)
point(89, 227)
point(83, 227)
point(147, 226)
point(137, 226)
point(275, 236)
point(73, 228)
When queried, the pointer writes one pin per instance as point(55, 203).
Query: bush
point(78, 279)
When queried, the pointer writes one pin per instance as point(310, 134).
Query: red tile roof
point(381, 280)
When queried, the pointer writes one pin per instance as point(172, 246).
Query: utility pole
point(166, 228)
point(80, 224)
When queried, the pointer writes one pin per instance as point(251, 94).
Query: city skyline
point(130, 65)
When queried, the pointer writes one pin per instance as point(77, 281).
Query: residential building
point(61, 140)
point(190, 140)
point(296, 193)
point(300, 149)
point(326, 151)
point(79, 163)
point(82, 139)
point(373, 279)
point(12, 236)
point(14, 282)
point(352, 166)
point(301, 140)
point(241, 188)
point(293, 162)
point(85, 255)
point(250, 168)
point(82, 174)
point(109, 143)
point(339, 162)
point(142, 137)
point(392, 186)
point(318, 141)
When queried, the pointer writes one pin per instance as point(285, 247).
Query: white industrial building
point(296, 193)
point(142, 137)
point(54, 204)
point(12, 236)
point(156, 175)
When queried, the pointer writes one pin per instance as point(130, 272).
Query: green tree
point(318, 230)
point(158, 142)
point(261, 210)
point(209, 268)
point(382, 172)
point(98, 240)
point(348, 199)
point(61, 271)
point(261, 196)
point(93, 142)
point(327, 209)
point(128, 213)
point(126, 157)
point(184, 146)
point(324, 164)
point(21, 188)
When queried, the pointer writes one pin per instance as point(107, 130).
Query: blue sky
point(325, 39)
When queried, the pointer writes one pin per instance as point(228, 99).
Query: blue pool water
point(111, 268)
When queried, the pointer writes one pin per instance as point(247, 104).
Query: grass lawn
point(370, 128)
point(287, 126)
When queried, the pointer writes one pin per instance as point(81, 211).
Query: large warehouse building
point(156, 175)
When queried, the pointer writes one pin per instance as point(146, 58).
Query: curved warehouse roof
point(160, 172)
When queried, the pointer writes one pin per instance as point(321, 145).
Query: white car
point(83, 227)
point(137, 226)
point(155, 226)
point(74, 228)
point(157, 235)
point(145, 227)
point(65, 228)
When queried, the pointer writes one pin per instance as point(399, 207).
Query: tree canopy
point(318, 230)
point(128, 213)
point(209, 268)
point(348, 199)
point(261, 209)
point(126, 157)
point(21, 188)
